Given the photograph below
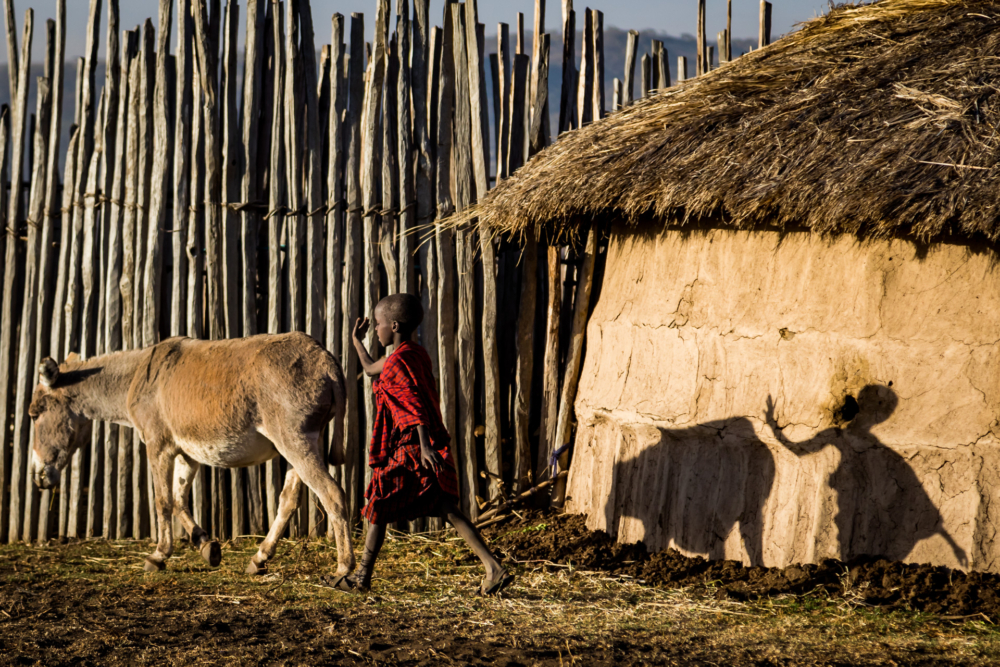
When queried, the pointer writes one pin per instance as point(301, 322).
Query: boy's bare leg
point(470, 534)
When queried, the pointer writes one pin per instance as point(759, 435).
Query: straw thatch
point(875, 120)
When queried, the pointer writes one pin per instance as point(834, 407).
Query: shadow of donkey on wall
point(694, 486)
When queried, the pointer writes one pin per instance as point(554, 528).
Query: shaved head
point(404, 309)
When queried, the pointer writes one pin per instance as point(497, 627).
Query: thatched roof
point(878, 119)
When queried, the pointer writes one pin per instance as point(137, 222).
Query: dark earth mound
point(868, 580)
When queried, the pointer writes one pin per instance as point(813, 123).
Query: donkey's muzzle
point(47, 477)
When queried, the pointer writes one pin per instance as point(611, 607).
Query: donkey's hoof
point(211, 552)
point(254, 568)
point(151, 565)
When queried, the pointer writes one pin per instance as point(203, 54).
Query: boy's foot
point(345, 582)
point(495, 585)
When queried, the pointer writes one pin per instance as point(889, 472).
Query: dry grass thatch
point(875, 120)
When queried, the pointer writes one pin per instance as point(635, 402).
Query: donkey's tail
point(338, 455)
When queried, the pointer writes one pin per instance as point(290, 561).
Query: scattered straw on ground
point(91, 603)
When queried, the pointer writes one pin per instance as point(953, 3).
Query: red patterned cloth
point(400, 488)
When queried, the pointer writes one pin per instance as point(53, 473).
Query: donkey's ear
point(48, 371)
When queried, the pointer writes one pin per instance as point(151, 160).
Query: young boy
point(413, 474)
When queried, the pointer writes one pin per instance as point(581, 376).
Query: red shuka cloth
point(405, 396)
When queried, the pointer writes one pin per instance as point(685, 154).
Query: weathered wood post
point(12, 277)
point(567, 101)
point(631, 51)
point(353, 249)
point(404, 157)
point(445, 237)
point(764, 36)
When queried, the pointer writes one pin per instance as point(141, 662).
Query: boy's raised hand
point(360, 328)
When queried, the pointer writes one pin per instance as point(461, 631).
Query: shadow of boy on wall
point(692, 486)
point(882, 509)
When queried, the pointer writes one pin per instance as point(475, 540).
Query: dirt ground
point(579, 598)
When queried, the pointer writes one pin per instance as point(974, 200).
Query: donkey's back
point(236, 397)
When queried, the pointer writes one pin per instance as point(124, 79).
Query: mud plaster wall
point(694, 331)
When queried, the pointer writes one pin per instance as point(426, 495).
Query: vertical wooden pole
point(574, 354)
point(313, 200)
point(158, 185)
point(423, 102)
point(616, 94)
point(126, 498)
point(700, 66)
point(567, 102)
point(682, 67)
point(232, 273)
point(491, 360)
point(463, 185)
point(550, 370)
point(503, 141)
point(231, 168)
point(143, 509)
point(710, 59)
point(10, 321)
point(250, 219)
point(115, 436)
point(275, 217)
point(407, 205)
point(631, 50)
point(646, 79)
point(335, 205)
point(370, 179)
point(764, 37)
point(27, 365)
point(390, 170)
point(205, 47)
point(90, 313)
point(353, 250)
point(13, 66)
point(182, 169)
point(537, 127)
point(598, 69)
point(722, 40)
point(295, 228)
point(445, 236)
point(7, 326)
point(729, 30)
point(663, 69)
point(194, 248)
point(585, 89)
point(313, 196)
point(654, 60)
point(54, 68)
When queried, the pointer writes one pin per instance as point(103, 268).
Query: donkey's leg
point(185, 470)
point(304, 455)
point(288, 503)
point(161, 468)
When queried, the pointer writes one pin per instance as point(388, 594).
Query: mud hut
point(795, 348)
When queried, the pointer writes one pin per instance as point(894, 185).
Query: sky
point(674, 17)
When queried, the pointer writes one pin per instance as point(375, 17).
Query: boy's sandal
point(344, 582)
point(491, 587)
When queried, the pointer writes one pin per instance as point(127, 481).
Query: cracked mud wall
point(695, 330)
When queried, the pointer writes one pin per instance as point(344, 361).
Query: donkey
point(224, 403)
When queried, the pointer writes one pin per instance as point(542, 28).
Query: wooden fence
point(203, 200)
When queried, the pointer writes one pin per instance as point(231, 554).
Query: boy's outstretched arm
point(369, 365)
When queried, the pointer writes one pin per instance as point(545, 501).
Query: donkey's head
point(58, 428)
